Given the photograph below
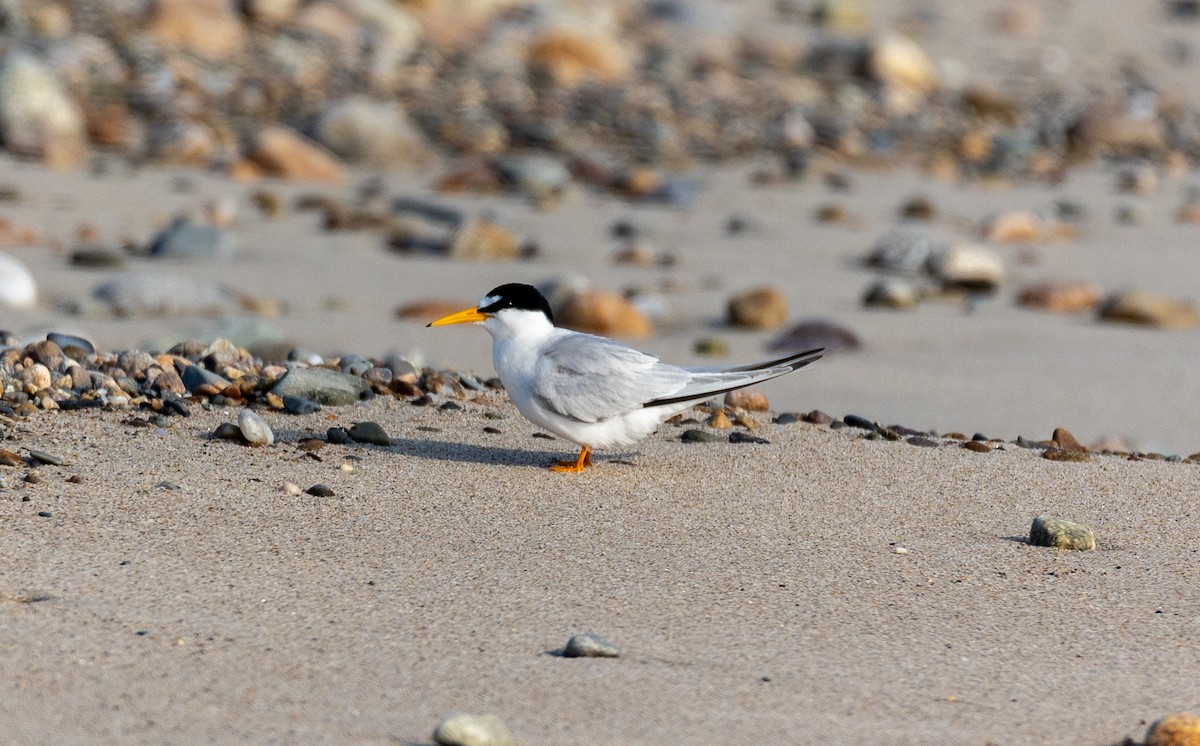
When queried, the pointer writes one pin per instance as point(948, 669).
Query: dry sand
point(754, 590)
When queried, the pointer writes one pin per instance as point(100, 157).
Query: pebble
point(328, 387)
point(254, 428)
point(741, 437)
point(758, 308)
point(814, 333)
point(1065, 440)
point(695, 435)
point(1058, 454)
point(227, 431)
point(923, 442)
point(590, 645)
point(605, 313)
point(1148, 309)
point(905, 249)
point(977, 446)
point(787, 418)
point(711, 347)
point(1048, 531)
point(861, 423)
point(1176, 729)
point(1060, 297)
point(461, 729)
point(338, 436)
point(369, 432)
point(320, 490)
point(195, 376)
point(17, 288)
point(43, 457)
point(290, 488)
point(283, 152)
point(817, 417)
point(67, 341)
point(967, 267)
point(890, 292)
point(718, 420)
point(299, 405)
point(750, 399)
point(8, 458)
point(185, 240)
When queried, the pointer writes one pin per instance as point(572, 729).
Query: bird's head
point(510, 309)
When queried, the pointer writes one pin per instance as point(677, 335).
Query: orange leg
point(584, 460)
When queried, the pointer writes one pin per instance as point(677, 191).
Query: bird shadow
point(470, 453)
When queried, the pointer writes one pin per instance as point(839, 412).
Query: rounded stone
point(1048, 531)
point(461, 729)
point(590, 645)
point(1176, 729)
point(255, 429)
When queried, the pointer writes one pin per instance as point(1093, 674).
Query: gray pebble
point(185, 240)
point(923, 442)
point(195, 376)
point(299, 405)
point(320, 490)
point(590, 645)
point(227, 431)
point(67, 340)
point(1048, 531)
point(322, 385)
point(45, 458)
point(787, 418)
point(738, 436)
point(461, 729)
point(255, 429)
point(338, 436)
point(369, 432)
point(698, 436)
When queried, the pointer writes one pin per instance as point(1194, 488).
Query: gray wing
point(591, 378)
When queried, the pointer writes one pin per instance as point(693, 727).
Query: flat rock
point(1147, 309)
point(461, 729)
point(1048, 531)
point(590, 645)
point(328, 387)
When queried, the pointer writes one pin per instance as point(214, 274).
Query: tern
point(591, 390)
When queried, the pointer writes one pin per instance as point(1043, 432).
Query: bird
point(592, 390)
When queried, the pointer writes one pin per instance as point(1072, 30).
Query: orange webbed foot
point(578, 465)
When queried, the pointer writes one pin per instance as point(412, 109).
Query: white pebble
point(292, 489)
point(17, 288)
point(255, 429)
point(472, 730)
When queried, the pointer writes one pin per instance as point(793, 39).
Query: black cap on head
point(518, 296)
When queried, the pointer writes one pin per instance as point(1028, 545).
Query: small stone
point(890, 292)
point(1065, 440)
point(492, 430)
point(310, 445)
point(255, 429)
point(923, 442)
point(968, 267)
point(787, 418)
point(1060, 297)
point(328, 387)
point(17, 288)
point(590, 645)
point(185, 240)
point(299, 405)
point(1058, 454)
point(759, 308)
point(320, 490)
point(290, 488)
point(1016, 226)
point(227, 431)
point(195, 376)
point(977, 446)
point(750, 399)
point(8, 458)
point(904, 249)
point(905, 70)
point(698, 436)
point(719, 420)
point(603, 312)
point(1147, 309)
point(861, 423)
point(1048, 531)
point(814, 333)
point(461, 729)
point(711, 347)
point(283, 152)
point(742, 437)
point(817, 417)
point(369, 432)
point(483, 240)
point(1176, 729)
point(46, 458)
point(67, 341)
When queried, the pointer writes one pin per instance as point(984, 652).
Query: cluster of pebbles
point(66, 373)
point(298, 89)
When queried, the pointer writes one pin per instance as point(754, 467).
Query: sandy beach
point(289, 176)
point(755, 591)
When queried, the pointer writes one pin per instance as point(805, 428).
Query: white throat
point(512, 323)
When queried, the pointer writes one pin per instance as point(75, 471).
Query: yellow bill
point(465, 316)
